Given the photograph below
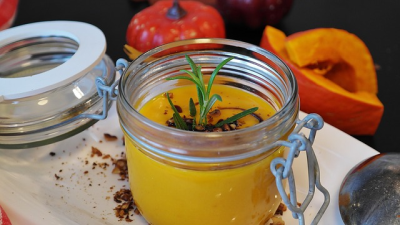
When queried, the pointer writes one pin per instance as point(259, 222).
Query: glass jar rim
point(124, 103)
point(146, 55)
point(92, 47)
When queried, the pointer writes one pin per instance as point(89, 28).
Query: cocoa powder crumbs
point(121, 168)
point(109, 137)
point(178, 108)
point(277, 218)
point(126, 205)
point(106, 156)
point(281, 208)
point(96, 151)
point(170, 95)
point(103, 165)
point(277, 221)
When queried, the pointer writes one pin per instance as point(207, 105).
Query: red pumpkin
point(8, 9)
point(168, 21)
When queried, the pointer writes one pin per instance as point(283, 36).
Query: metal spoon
point(370, 192)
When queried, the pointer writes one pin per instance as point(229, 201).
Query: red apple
point(254, 13)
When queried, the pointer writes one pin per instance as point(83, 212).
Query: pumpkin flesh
point(355, 108)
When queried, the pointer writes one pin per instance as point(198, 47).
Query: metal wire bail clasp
point(282, 169)
point(107, 92)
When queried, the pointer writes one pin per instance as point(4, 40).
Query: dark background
point(377, 23)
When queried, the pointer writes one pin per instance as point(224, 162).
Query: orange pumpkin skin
point(356, 113)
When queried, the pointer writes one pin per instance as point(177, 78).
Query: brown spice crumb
point(57, 177)
point(226, 127)
point(281, 208)
point(122, 211)
point(217, 129)
point(96, 151)
point(121, 168)
point(188, 121)
point(178, 108)
point(210, 118)
point(215, 112)
point(170, 95)
point(199, 128)
point(103, 165)
point(110, 137)
point(171, 122)
point(277, 221)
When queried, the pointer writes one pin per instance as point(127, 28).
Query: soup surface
point(234, 101)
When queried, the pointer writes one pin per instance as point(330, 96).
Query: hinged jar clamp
point(282, 169)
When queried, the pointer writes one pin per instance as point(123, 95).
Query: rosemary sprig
point(203, 93)
point(192, 108)
point(178, 120)
point(236, 117)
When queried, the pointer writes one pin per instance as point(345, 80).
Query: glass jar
point(182, 177)
point(47, 81)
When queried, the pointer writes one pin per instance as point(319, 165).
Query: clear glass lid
point(47, 79)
